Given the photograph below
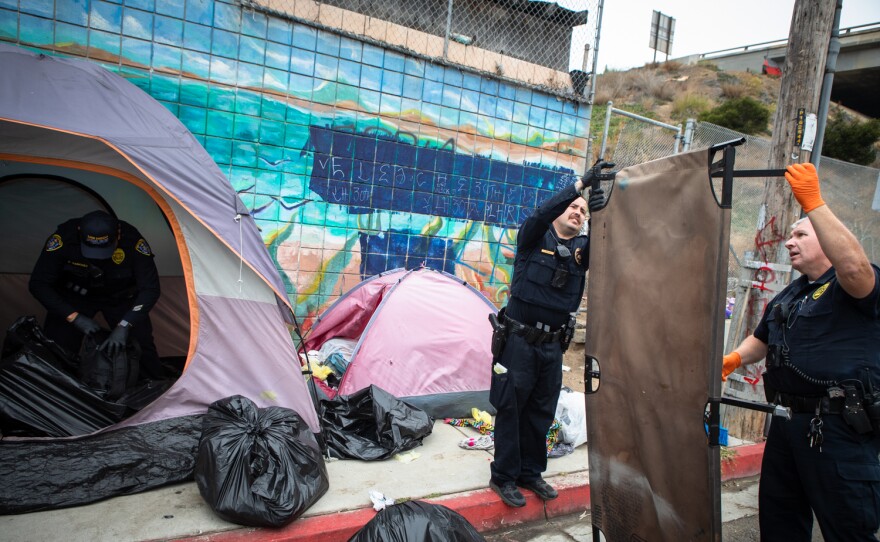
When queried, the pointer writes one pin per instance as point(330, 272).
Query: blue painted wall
point(354, 159)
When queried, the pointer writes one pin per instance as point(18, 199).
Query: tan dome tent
point(75, 137)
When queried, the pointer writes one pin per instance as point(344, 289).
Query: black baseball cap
point(98, 235)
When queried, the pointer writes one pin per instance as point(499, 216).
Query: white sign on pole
point(662, 32)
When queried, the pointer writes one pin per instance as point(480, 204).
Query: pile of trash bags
point(48, 392)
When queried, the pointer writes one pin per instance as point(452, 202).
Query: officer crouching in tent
point(99, 264)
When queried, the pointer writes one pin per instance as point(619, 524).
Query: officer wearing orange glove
point(821, 338)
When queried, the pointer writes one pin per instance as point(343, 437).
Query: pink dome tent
point(422, 335)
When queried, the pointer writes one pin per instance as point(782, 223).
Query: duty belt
point(803, 403)
point(532, 334)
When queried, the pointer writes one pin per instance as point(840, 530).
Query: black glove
point(116, 342)
point(597, 199)
point(85, 325)
point(595, 172)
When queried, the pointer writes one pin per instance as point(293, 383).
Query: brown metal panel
point(658, 278)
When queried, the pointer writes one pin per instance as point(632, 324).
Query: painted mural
point(353, 159)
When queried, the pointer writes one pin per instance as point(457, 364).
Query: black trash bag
point(418, 521)
point(27, 332)
point(49, 474)
point(259, 467)
point(144, 393)
point(39, 399)
point(107, 374)
point(372, 424)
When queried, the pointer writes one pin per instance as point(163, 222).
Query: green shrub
point(745, 115)
point(689, 106)
point(848, 139)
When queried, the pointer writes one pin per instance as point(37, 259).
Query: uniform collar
point(803, 283)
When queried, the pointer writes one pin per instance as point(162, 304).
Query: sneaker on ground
point(484, 442)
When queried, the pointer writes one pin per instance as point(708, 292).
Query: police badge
point(54, 243)
point(142, 247)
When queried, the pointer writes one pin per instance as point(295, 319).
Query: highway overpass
point(857, 78)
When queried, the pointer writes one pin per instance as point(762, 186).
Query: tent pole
point(322, 440)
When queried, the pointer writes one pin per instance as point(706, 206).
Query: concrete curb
point(482, 508)
point(745, 462)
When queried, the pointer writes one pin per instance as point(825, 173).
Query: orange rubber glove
point(732, 361)
point(805, 184)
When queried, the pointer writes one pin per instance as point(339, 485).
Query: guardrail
point(781, 42)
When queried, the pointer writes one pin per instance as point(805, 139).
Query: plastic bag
point(39, 398)
point(571, 413)
point(338, 345)
point(260, 467)
point(372, 424)
point(109, 375)
point(27, 332)
point(49, 474)
point(418, 521)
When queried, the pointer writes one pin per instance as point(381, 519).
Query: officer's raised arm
point(843, 250)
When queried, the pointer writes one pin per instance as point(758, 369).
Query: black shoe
point(509, 494)
point(541, 488)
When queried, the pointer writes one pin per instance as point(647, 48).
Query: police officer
point(99, 264)
point(821, 338)
point(549, 274)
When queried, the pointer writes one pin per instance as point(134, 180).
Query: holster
point(499, 334)
point(568, 334)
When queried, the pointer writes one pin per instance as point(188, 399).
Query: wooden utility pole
point(802, 74)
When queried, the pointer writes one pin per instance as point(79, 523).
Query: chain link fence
point(633, 139)
point(542, 43)
point(849, 189)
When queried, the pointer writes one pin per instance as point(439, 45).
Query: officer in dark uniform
point(821, 338)
point(99, 264)
point(549, 274)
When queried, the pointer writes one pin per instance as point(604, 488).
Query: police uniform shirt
point(829, 334)
point(62, 274)
point(533, 296)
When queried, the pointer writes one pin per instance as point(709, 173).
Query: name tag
point(545, 251)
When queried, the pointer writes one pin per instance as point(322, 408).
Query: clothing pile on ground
point(568, 431)
point(330, 362)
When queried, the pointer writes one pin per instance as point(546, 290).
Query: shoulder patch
point(142, 247)
point(819, 291)
point(54, 243)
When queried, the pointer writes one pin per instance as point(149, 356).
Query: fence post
point(448, 31)
point(605, 131)
point(689, 127)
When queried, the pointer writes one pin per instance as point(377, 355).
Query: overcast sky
point(703, 26)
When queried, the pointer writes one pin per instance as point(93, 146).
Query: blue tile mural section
point(354, 159)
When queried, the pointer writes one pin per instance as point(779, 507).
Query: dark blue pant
point(59, 330)
point(840, 484)
point(525, 399)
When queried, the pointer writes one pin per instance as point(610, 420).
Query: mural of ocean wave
point(380, 170)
